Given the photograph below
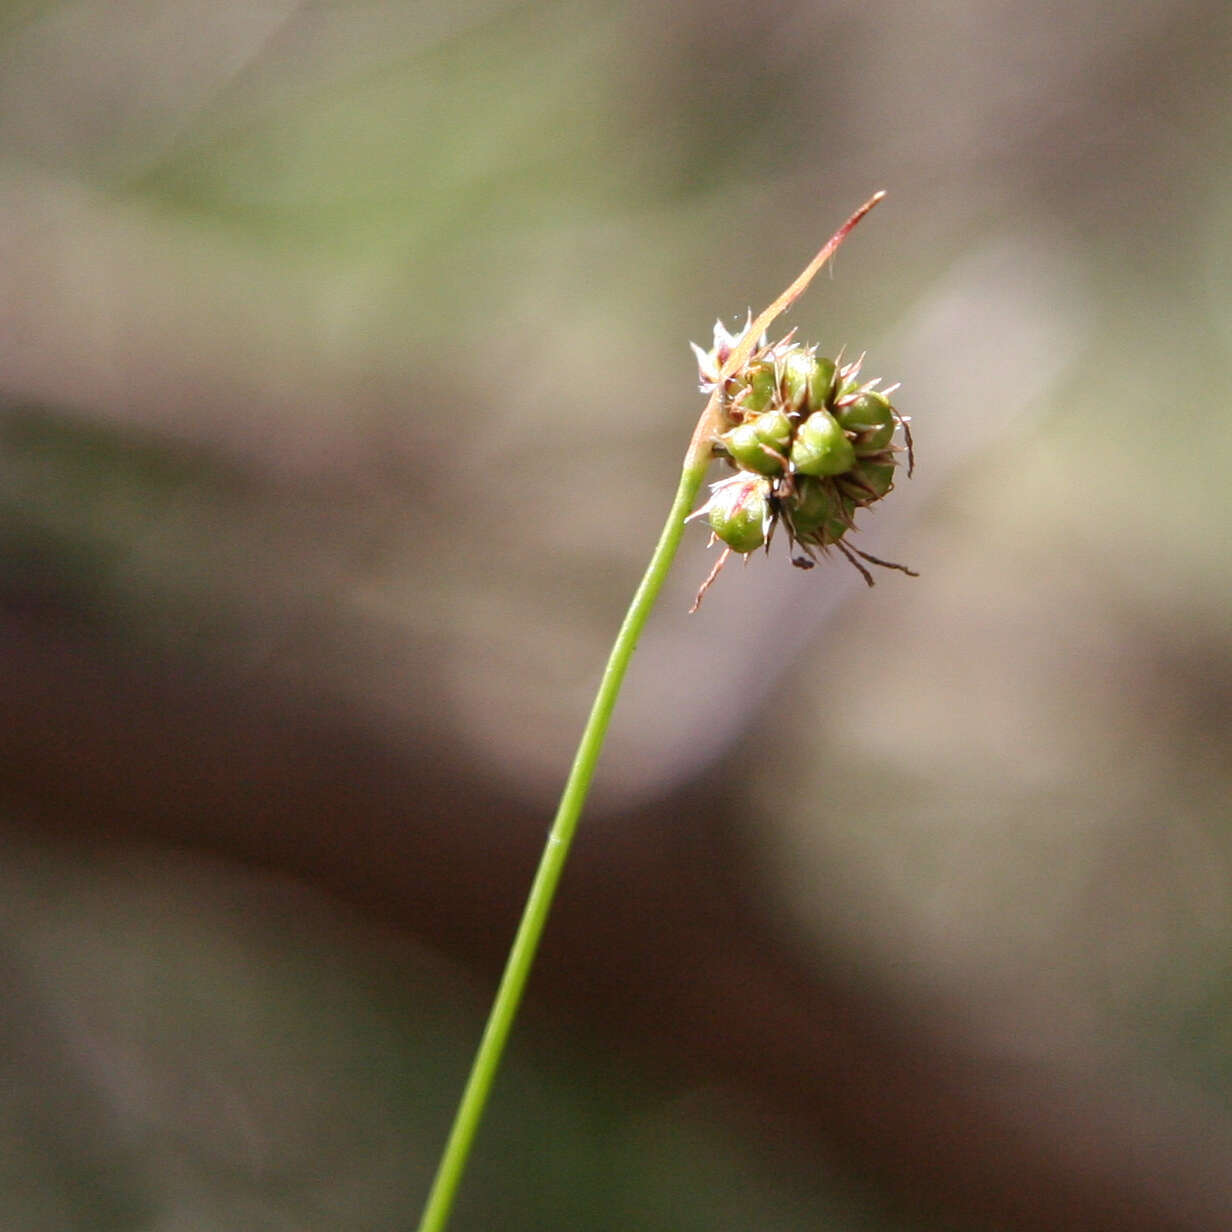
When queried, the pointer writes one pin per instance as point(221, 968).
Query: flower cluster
point(810, 444)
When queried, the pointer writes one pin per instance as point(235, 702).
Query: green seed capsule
point(760, 444)
point(813, 504)
point(817, 512)
point(869, 481)
point(821, 384)
point(837, 526)
point(870, 416)
point(774, 430)
point(747, 450)
point(739, 513)
point(759, 388)
point(821, 447)
point(797, 370)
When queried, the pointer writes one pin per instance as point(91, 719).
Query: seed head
point(811, 445)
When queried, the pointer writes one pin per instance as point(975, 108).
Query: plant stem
point(577, 786)
point(552, 862)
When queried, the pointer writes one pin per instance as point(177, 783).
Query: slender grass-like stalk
point(539, 902)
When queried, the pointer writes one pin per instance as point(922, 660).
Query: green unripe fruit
point(833, 530)
point(747, 450)
point(870, 416)
point(759, 388)
point(838, 525)
point(760, 444)
point(821, 447)
point(813, 504)
point(774, 430)
point(869, 481)
point(818, 512)
point(739, 512)
point(808, 381)
point(797, 368)
point(821, 384)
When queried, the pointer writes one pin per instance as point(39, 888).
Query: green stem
point(564, 827)
point(552, 862)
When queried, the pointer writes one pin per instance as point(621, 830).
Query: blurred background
point(344, 382)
